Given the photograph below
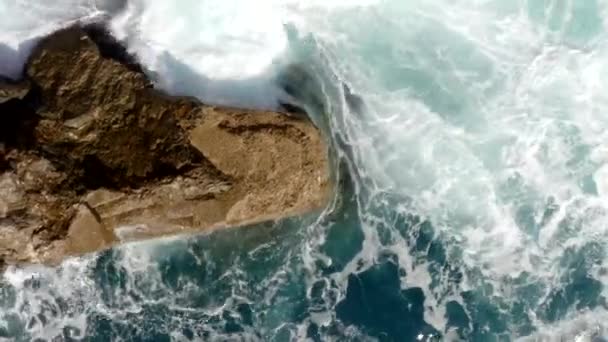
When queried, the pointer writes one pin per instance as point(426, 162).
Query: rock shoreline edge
point(91, 155)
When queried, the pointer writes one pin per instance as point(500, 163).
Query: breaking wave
point(471, 145)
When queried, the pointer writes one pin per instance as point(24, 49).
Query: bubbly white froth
point(490, 117)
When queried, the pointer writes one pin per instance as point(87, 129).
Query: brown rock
point(103, 157)
point(87, 224)
point(12, 90)
point(12, 199)
point(117, 130)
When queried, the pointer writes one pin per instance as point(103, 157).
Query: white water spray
point(490, 115)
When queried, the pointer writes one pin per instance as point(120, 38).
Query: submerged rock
point(92, 155)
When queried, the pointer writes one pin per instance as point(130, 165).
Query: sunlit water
point(471, 148)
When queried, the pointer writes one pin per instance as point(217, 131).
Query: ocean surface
point(470, 148)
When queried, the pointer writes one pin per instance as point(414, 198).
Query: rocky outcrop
point(92, 155)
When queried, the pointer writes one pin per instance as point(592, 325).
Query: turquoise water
point(470, 144)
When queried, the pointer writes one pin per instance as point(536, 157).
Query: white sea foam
point(520, 124)
point(217, 51)
point(488, 115)
point(585, 326)
point(25, 22)
point(485, 116)
point(221, 52)
point(41, 294)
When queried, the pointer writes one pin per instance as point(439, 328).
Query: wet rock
point(91, 155)
point(109, 47)
point(38, 175)
point(12, 196)
point(87, 232)
point(117, 132)
point(10, 90)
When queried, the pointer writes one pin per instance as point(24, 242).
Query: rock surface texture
point(92, 155)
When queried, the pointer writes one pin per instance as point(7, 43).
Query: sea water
point(470, 140)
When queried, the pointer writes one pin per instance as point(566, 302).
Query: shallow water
point(471, 148)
